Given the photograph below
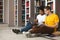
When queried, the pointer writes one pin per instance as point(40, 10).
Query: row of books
point(1, 10)
point(23, 11)
point(27, 10)
point(15, 12)
point(1, 0)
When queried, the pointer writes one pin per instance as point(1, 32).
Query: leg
point(27, 27)
point(47, 30)
point(35, 30)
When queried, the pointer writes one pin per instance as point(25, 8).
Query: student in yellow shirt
point(50, 25)
point(52, 19)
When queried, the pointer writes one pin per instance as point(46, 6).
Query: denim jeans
point(27, 27)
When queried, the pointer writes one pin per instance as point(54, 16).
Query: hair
point(41, 8)
point(48, 8)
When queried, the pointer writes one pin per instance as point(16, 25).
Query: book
point(23, 1)
point(27, 10)
point(27, 3)
point(27, 16)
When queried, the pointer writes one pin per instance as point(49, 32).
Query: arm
point(35, 21)
point(56, 21)
point(53, 26)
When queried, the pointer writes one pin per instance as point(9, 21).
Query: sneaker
point(17, 31)
point(25, 33)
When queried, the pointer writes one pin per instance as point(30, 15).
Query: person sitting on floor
point(39, 20)
point(50, 25)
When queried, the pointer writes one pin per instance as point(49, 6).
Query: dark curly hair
point(41, 8)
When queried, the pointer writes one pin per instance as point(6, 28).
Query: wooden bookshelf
point(51, 3)
point(27, 10)
point(16, 12)
point(1, 10)
point(37, 4)
point(23, 12)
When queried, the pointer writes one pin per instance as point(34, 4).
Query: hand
point(43, 22)
point(35, 21)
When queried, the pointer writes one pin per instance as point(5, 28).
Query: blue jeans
point(27, 27)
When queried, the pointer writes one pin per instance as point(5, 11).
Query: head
point(47, 9)
point(41, 10)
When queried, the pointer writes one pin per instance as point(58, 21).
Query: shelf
point(1, 13)
point(23, 14)
point(50, 2)
point(27, 0)
point(23, 4)
point(27, 13)
point(51, 10)
point(27, 7)
point(1, 9)
point(27, 10)
point(23, 1)
point(1, 5)
point(36, 6)
point(1, 0)
point(23, 9)
point(1, 18)
point(37, 12)
point(27, 20)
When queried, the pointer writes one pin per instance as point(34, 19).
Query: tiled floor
point(7, 34)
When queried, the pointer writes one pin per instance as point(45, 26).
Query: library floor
point(7, 34)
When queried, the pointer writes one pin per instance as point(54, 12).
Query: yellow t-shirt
point(51, 20)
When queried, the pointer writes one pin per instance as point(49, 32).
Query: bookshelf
point(37, 4)
point(23, 12)
point(50, 3)
point(19, 12)
point(16, 12)
point(27, 10)
point(1, 10)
